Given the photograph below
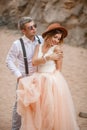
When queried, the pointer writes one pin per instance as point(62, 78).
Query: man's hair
point(23, 21)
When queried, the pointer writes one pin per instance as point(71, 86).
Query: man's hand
point(19, 79)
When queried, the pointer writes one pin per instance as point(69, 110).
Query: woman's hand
point(55, 56)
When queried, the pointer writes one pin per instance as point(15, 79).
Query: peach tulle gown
point(44, 100)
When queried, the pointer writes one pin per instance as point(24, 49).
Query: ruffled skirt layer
point(45, 103)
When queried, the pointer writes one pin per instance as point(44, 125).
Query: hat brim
point(65, 33)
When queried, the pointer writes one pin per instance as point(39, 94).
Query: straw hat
point(54, 26)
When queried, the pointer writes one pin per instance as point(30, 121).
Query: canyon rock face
point(70, 13)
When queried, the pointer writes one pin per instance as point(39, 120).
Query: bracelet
point(44, 57)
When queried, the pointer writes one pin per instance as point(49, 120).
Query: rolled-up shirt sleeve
point(11, 58)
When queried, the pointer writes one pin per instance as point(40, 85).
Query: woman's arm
point(59, 61)
point(59, 64)
point(35, 60)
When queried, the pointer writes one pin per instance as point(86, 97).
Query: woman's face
point(55, 39)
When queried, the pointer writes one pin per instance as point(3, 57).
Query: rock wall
point(70, 13)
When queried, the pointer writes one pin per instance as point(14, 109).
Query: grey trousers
point(16, 118)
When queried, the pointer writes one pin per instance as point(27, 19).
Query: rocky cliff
point(70, 13)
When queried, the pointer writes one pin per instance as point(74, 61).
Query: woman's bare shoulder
point(58, 48)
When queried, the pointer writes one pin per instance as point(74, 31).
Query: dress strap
point(40, 48)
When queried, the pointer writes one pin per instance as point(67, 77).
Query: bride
point(44, 100)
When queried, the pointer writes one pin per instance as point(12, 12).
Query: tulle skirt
point(45, 103)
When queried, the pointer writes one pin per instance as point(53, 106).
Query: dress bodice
point(49, 66)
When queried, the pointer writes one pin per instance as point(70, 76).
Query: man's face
point(30, 29)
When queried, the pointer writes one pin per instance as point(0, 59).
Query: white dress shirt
point(16, 54)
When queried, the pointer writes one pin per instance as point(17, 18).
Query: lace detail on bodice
point(49, 66)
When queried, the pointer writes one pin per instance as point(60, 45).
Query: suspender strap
point(25, 56)
point(38, 39)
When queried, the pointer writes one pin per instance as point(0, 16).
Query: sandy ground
point(74, 70)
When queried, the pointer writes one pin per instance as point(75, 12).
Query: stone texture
point(70, 13)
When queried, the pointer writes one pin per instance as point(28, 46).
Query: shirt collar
point(28, 40)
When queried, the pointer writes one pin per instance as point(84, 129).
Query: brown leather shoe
point(83, 115)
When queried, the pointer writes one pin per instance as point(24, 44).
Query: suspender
point(38, 39)
point(24, 54)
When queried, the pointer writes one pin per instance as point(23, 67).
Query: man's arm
point(11, 59)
